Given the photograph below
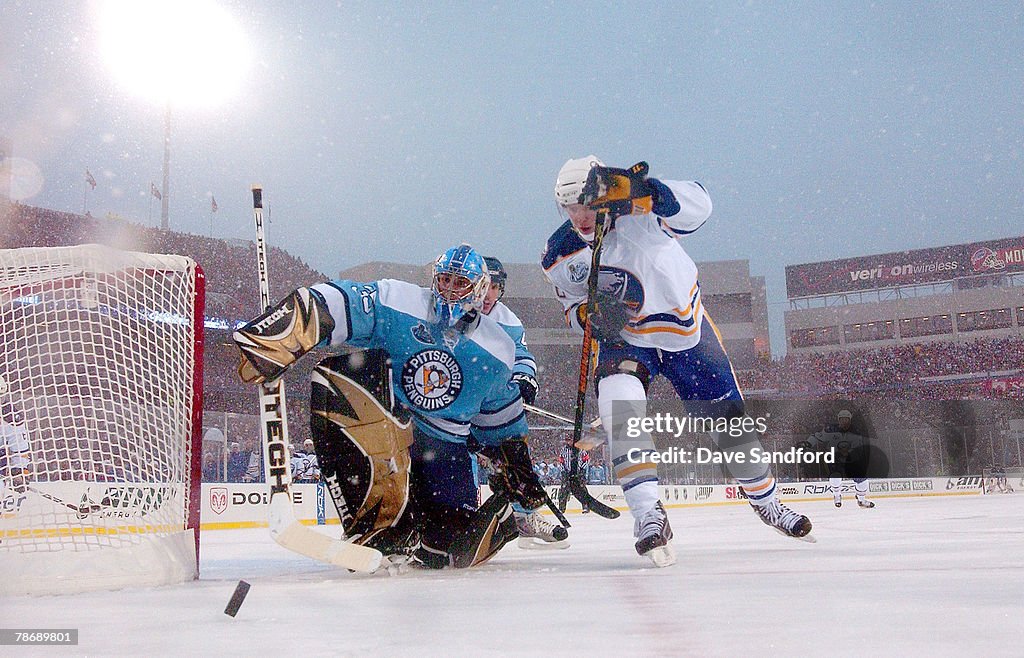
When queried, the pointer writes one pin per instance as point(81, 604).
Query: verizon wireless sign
point(905, 268)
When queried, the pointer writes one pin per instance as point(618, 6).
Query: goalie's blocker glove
point(619, 191)
point(276, 338)
point(514, 476)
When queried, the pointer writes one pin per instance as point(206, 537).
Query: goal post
point(101, 408)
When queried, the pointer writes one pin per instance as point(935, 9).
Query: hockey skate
point(653, 534)
point(838, 500)
point(865, 503)
point(535, 532)
point(785, 520)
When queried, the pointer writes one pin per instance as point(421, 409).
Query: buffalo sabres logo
point(623, 286)
point(578, 271)
point(422, 334)
point(431, 379)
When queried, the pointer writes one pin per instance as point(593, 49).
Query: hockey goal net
point(100, 392)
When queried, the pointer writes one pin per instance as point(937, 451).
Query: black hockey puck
point(237, 598)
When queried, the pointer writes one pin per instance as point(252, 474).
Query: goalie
point(391, 422)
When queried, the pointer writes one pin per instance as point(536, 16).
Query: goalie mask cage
point(102, 368)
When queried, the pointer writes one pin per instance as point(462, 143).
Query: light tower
point(178, 53)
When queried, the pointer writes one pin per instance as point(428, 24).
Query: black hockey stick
point(496, 464)
point(554, 510)
point(576, 485)
point(81, 510)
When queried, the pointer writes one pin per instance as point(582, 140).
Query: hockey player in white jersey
point(15, 454)
point(304, 464)
point(391, 420)
point(650, 320)
point(534, 531)
point(848, 446)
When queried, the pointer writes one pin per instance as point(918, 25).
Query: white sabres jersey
point(644, 266)
point(14, 446)
point(305, 466)
point(833, 438)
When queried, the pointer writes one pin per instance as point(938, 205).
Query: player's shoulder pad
point(563, 242)
point(493, 339)
point(404, 297)
point(503, 315)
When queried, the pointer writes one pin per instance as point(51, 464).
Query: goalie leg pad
point(453, 531)
point(491, 527)
point(363, 449)
point(276, 338)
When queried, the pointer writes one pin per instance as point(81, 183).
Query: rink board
point(227, 505)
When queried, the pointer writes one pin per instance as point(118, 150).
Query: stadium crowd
point(990, 368)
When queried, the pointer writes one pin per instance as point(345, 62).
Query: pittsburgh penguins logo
point(431, 379)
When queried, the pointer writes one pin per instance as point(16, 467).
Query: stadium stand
point(983, 369)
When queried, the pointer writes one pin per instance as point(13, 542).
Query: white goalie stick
point(591, 438)
point(287, 530)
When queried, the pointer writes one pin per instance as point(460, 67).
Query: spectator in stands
point(211, 467)
point(238, 464)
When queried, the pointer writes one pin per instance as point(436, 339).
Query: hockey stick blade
point(294, 536)
point(80, 510)
point(579, 490)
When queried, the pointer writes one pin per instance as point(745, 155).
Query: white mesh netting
point(97, 394)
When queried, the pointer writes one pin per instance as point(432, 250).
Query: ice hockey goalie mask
point(460, 284)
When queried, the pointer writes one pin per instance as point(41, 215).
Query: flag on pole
point(213, 203)
point(90, 180)
point(155, 192)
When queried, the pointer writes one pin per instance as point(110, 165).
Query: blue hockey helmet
point(460, 283)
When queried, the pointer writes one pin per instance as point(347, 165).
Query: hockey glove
point(611, 317)
point(514, 476)
point(276, 338)
point(619, 191)
point(528, 386)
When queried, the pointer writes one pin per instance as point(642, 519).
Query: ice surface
point(924, 576)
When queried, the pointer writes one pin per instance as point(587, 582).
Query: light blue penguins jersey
point(509, 321)
point(453, 383)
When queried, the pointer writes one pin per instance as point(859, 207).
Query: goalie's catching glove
point(276, 338)
point(619, 191)
point(514, 476)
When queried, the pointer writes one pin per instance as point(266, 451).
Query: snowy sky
point(390, 131)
